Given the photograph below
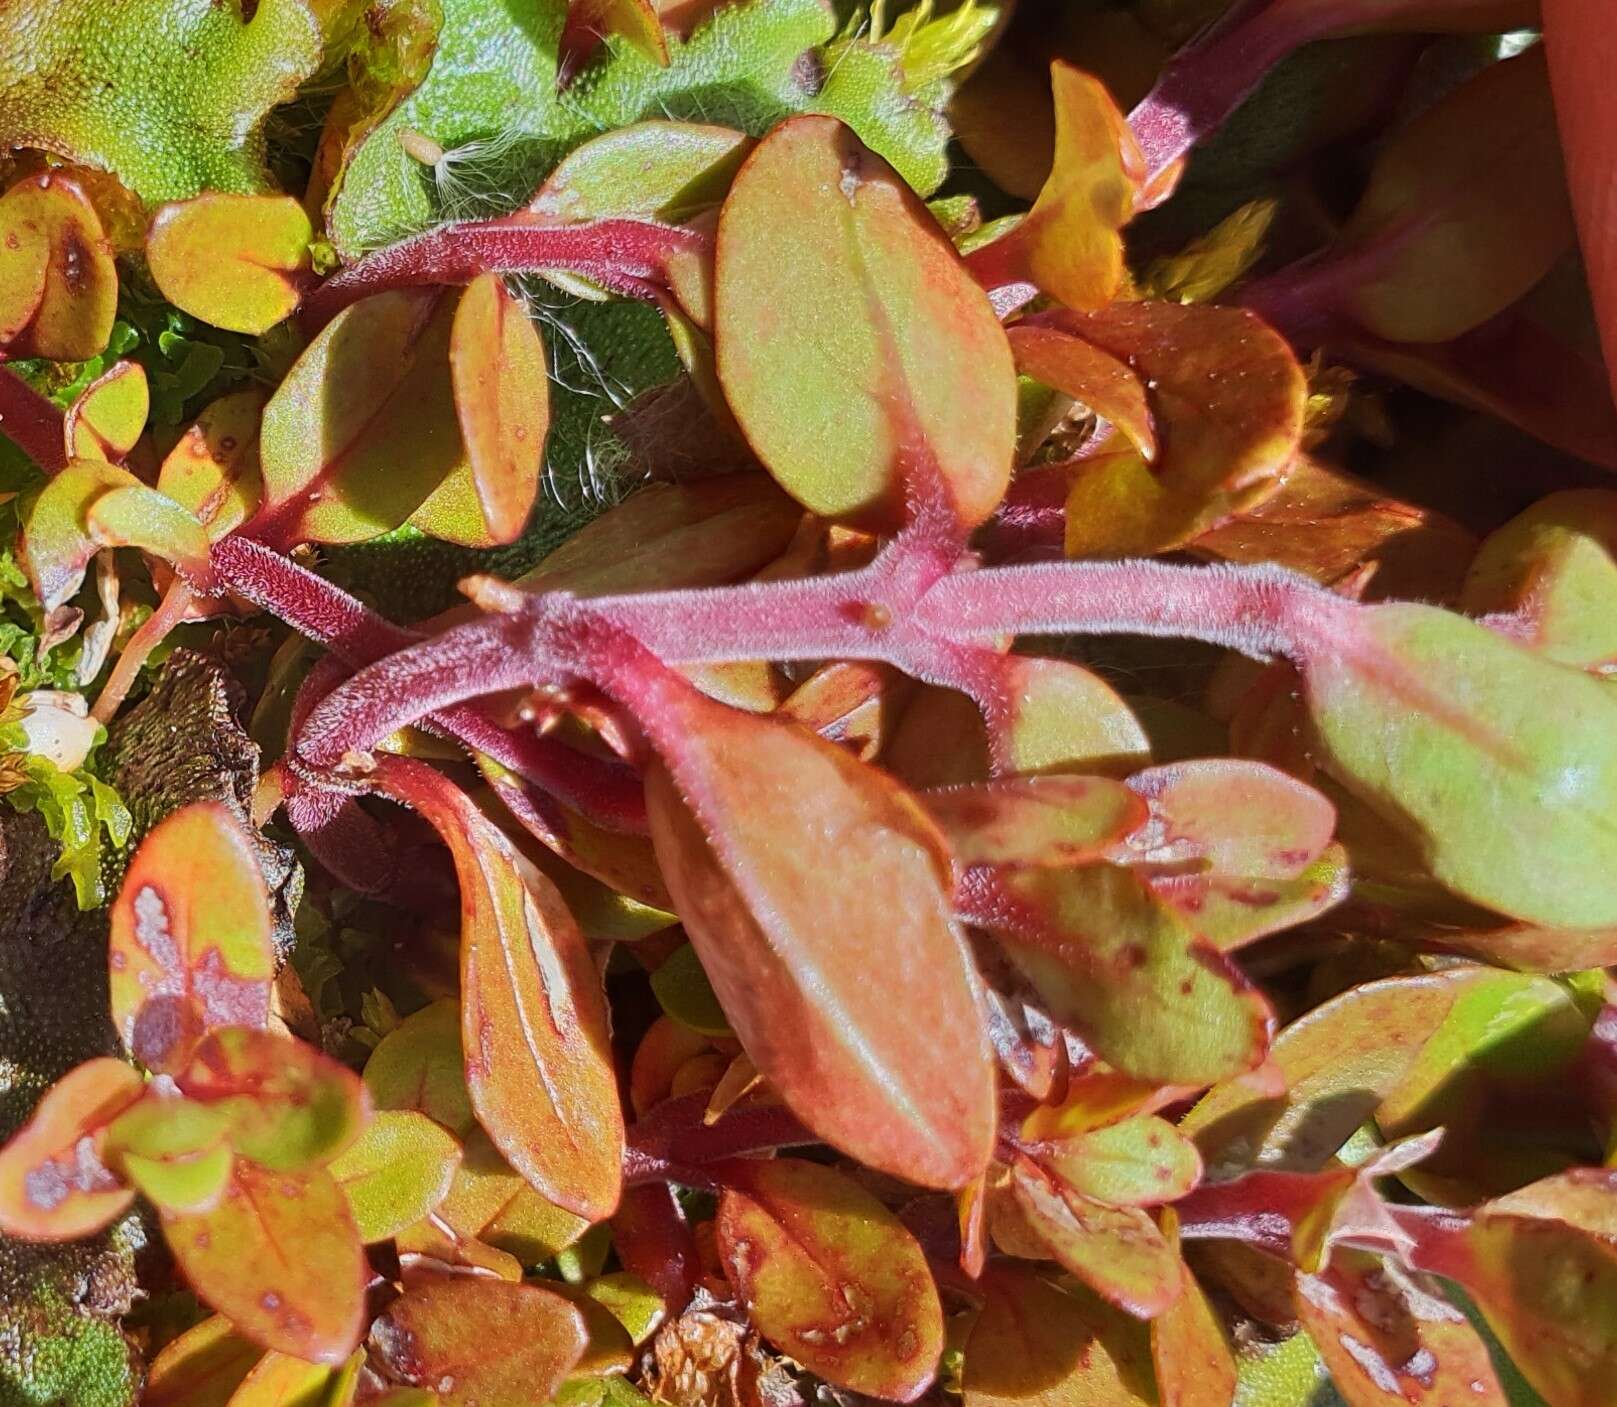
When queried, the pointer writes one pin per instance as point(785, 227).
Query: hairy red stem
point(902, 609)
point(626, 256)
point(311, 605)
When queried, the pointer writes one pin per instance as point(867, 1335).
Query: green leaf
point(232, 260)
point(844, 316)
point(1500, 766)
point(419, 1066)
point(1122, 967)
point(169, 95)
point(747, 66)
point(395, 1172)
point(683, 991)
point(286, 1106)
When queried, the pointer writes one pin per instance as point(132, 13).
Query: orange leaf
point(280, 1258)
point(1102, 383)
point(1227, 396)
point(201, 1368)
point(1390, 1339)
point(190, 943)
point(792, 865)
point(479, 1342)
point(236, 261)
point(58, 282)
point(831, 1277)
point(533, 1016)
point(1070, 244)
point(502, 399)
point(53, 1184)
point(1117, 1251)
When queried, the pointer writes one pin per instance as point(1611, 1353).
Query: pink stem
point(32, 422)
point(152, 632)
point(1204, 83)
point(626, 256)
point(311, 605)
point(902, 609)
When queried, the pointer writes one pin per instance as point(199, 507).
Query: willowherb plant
point(985, 1064)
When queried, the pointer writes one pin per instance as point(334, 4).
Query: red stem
point(607, 793)
point(626, 256)
point(903, 609)
point(1211, 77)
point(33, 423)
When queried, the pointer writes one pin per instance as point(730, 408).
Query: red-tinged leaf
point(1141, 1161)
point(666, 1046)
point(396, 1172)
point(479, 1342)
point(1230, 911)
point(1053, 715)
point(591, 21)
point(280, 1258)
point(346, 467)
point(213, 471)
point(58, 282)
point(239, 262)
point(1466, 209)
point(1036, 1344)
point(1194, 1365)
point(287, 1107)
point(668, 171)
point(1070, 244)
point(1552, 567)
point(419, 1065)
point(1500, 766)
point(53, 1183)
point(56, 542)
point(109, 415)
point(1227, 396)
point(1122, 968)
point(1581, 50)
point(1289, 1215)
point(502, 400)
point(1050, 820)
point(1389, 1338)
point(201, 1368)
point(533, 1016)
point(190, 944)
point(844, 317)
point(1233, 817)
point(1527, 948)
point(831, 1277)
point(673, 535)
point(1117, 1251)
point(1330, 526)
point(1541, 1265)
point(792, 864)
point(1104, 385)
